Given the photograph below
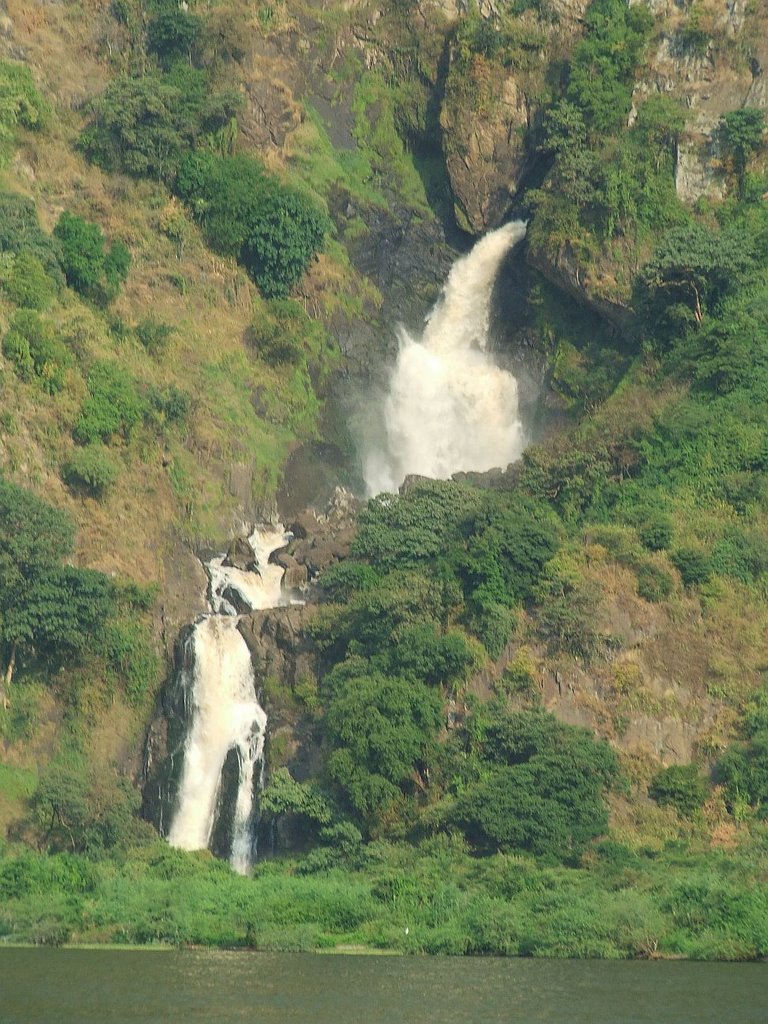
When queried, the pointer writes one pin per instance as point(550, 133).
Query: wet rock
point(235, 599)
point(240, 555)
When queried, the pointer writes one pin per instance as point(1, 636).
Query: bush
point(289, 230)
point(272, 229)
point(679, 786)
point(172, 35)
point(91, 469)
point(27, 284)
point(20, 102)
point(656, 532)
point(113, 406)
point(90, 269)
point(20, 232)
point(567, 606)
point(693, 564)
point(542, 786)
point(169, 405)
point(154, 335)
point(144, 126)
point(743, 770)
point(36, 354)
point(653, 583)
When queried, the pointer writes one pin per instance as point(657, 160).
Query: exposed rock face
point(319, 540)
point(725, 71)
point(485, 153)
point(489, 106)
point(275, 638)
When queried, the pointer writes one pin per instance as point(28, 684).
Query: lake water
point(143, 987)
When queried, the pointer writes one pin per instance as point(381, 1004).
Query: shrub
point(20, 102)
point(113, 405)
point(603, 63)
point(20, 232)
point(172, 35)
point(27, 284)
point(693, 564)
point(656, 532)
point(154, 335)
point(653, 583)
point(91, 469)
point(679, 786)
point(35, 352)
point(289, 230)
point(169, 405)
point(743, 770)
point(144, 126)
point(91, 270)
point(568, 605)
point(272, 229)
point(741, 134)
point(542, 786)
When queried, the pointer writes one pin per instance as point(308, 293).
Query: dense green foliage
point(56, 613)
point(144, 126)
point(529, 782)
point(681, 786)
point(603, 64)
point(20, 103)
point(447, 810)
point(679, 901)
point(21, 234)
point(113, 406)
point(31, 345)
point(272, 229)
point(89, 268)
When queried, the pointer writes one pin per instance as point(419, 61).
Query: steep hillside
point(523, 711)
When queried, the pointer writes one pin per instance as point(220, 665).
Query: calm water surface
point(100, 986)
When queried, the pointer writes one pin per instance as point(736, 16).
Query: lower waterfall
point(219, 690)
point(449, 406)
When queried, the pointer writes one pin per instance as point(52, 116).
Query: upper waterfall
point(450, 407)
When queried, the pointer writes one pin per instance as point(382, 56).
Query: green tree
point(26, 283)
point(34, 538)
point(542, 784)
point(145, 126)
point(20, 102)
point(603, 63)
point(692, 269)
point(281, 242)
point(741, 135)
point(90, 269)
point(80, 810)
point(383, 733)
point(20, 232)
point(113, 405)
point(36, 353)
point(172, 35)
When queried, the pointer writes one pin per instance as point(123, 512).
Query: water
point(220, 687)
point(226, 715)
point(449, 406)
point(116, 987)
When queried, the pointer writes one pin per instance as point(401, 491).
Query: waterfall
point(449, 406)
point(219, 689)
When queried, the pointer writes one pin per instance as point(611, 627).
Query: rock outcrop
point(490, 103)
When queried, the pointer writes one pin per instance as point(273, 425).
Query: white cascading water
point(220, 684)
point(450, 407)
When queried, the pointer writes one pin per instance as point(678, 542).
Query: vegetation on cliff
point(169, 293)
